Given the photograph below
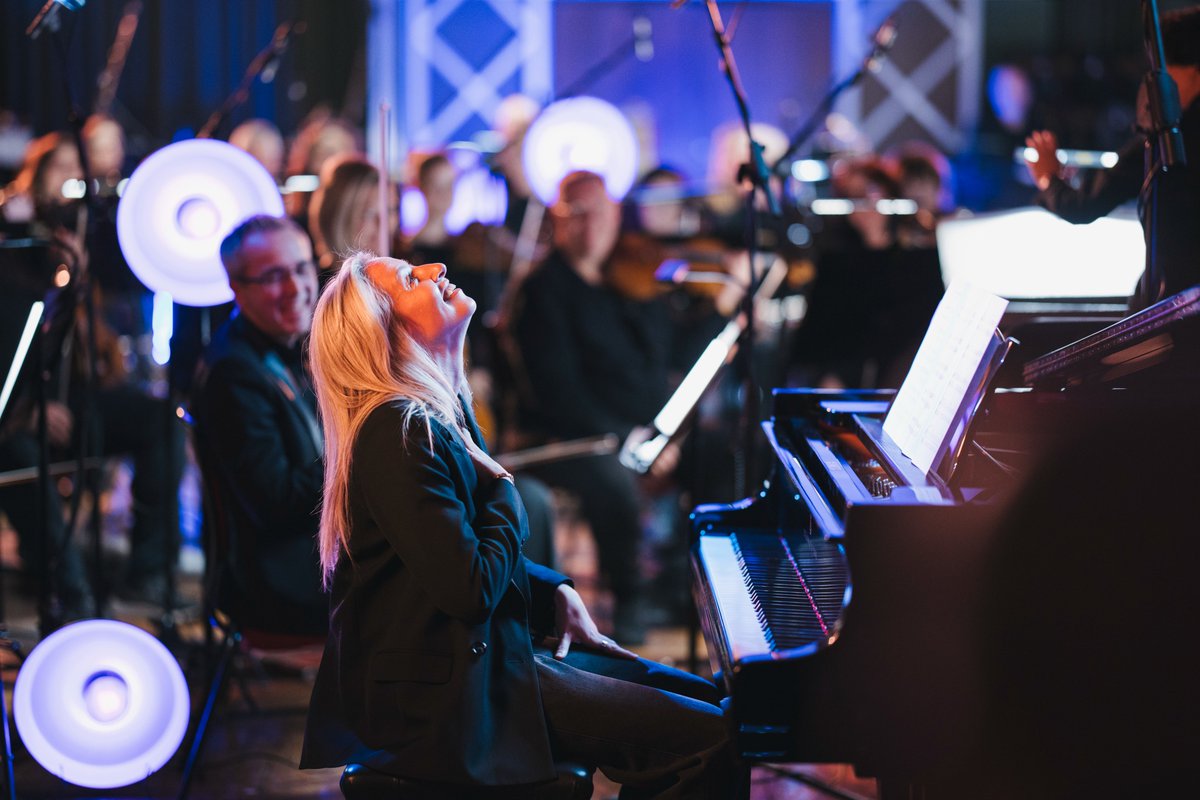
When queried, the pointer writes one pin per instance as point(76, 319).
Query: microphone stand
point(50, 612)
point(756, 172)
point(1165, 153)
point(636, 43)
point(882, 41)
point(818, 116)
point(258, 66)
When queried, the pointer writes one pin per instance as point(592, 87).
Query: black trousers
point(656, 730)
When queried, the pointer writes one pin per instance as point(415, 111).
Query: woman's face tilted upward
point(435, 312)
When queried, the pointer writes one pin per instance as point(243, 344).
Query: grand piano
point(841, 605)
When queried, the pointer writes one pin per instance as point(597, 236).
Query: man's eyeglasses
point(277, 276)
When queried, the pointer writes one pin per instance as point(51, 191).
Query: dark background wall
point(188, 55)
point(186, 58)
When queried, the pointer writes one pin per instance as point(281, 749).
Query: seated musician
point(115, 413)
point(256, 418)
point(599, 362)
point(436, 667)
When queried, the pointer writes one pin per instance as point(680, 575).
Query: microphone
point(279, 46)
point(881, 43)
point(643, 41)
point(47, 18)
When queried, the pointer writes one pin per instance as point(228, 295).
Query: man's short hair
point(1181, 37)
point(231, 245)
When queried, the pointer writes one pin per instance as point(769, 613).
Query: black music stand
point(7, 391)
point(37, 336)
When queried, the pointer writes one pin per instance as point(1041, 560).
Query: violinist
point(599, 362)
point(123, 413)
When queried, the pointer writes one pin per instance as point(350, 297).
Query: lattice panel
point(928, 87)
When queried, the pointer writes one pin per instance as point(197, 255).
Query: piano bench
point(359, 782)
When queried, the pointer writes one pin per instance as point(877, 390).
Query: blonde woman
point(452, 658)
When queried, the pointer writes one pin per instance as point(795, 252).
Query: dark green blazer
point(428, 672)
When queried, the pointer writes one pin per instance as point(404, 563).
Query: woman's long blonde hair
point(362, 357)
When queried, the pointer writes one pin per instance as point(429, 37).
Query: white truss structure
point(908, 92)
point(405, 50)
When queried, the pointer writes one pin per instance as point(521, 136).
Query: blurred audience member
point(729, 152)
point(104, 141)
point(432, 242)
point(923, 174)
point(37, 192)
point(344, 213)
point(660, 207)
point(321, 137)
point(261, 139)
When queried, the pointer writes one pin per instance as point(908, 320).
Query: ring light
point(180, 203)
point(580, 133)
point(101, 704)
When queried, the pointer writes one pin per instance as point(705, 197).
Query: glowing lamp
point(178, 206)
point(580, 133)
point(101, 704)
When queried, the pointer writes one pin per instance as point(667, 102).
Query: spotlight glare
point(74, 189)
point(197, 218)
point(301, 183)
point(106, 696)
point(810, 170)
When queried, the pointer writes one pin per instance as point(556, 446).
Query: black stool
point(574, 782)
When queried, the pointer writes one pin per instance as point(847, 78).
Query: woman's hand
point(1046, 168)
point(485, 465)
point(575, 625)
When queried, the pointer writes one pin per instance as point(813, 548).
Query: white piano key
point(738, 617)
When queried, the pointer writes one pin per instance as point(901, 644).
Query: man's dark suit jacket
point(258, 430)
point(429, 672)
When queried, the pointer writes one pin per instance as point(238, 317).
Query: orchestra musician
point(598, 362)
point(1179, 201)
point(117, 406)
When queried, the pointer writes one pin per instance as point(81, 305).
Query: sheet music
point(932, 393)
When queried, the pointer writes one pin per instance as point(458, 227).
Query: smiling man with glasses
point(257, 431)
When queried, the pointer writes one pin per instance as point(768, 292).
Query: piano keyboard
point(775, 591)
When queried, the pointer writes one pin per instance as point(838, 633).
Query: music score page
point(928, 402)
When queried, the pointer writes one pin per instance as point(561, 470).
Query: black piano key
point(796, 584)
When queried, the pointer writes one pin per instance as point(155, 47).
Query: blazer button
point(478, 648)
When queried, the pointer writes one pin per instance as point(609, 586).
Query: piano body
point(841, 605)
point(837, 605)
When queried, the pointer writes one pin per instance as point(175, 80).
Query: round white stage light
point(101, 704)
point(179, 204)
point(580, 133)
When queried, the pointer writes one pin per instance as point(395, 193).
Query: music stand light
point(101, 704)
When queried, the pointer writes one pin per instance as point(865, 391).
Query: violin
point(643, 267)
